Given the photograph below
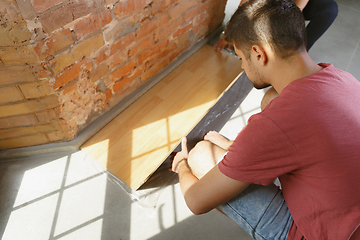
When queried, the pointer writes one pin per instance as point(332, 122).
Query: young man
point(308, 137)
point(320, 14)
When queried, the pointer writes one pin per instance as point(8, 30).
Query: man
point(308, 137)
point(320, 14)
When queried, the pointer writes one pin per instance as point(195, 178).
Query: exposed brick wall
point(65, 62)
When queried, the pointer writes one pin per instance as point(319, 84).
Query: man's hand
point(221, 44)
point(180, 156)
point(217, 139)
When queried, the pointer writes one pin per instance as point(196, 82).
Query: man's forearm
point(186, 177)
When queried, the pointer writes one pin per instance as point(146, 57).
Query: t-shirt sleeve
point(260, 153)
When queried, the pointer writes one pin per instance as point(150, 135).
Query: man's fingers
point(179, 156)
point(183, 144)
point(174, 164)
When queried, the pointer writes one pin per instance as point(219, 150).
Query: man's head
point(278, 24)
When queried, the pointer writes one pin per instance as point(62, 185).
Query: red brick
point(160, 6)
point(16, 74)
point(71, 87)
point(110, 2)
point(163, 20)
point(124, 7)
point(146, 42)
point(29, 106)
point(117, 59)
point(123, 43)
point(154, 70)
point(25, 141)
point(165, 31)
point(142, 15)
point(183, 39)
point(167, 51)
point(133, 50)
point(87, 46)
point(84, 7)
point(190, 14)
point(202, 28)
point(139, 4)
point(70, 73)
point(200, 18)
point(61, 61)
point(18, 55)
point(9, 11)
point(42, 5)
point(152, 25)
point(147, 28)
point(16, 121)
point(154, 50)
point(52, 20)
point(181, 8)
point(99, 72)
point(27, 10)
point(54, 43)
point(119, 28)
point(41, 71)
point(20, 131)
point(56, 136)
point(35, 89)
point(121, 84)
point(76, 53)
point(176, 11)
point(10, 94)
point(64, 135)
point(179, 50)
point(92, 23)
point(123, 71)
point(102, 54)
point(206, 5)
point(108, 94)
point(47, 115)
point(13, 33)
point(182, 30)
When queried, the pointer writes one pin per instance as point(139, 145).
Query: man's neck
point(297, 66)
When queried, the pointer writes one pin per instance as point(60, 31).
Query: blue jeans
point(261, 211)
point(321, 14)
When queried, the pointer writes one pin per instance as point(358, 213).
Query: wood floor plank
point(134, 144)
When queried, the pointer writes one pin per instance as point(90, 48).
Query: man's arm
point(217, 139)
point(207, 193)
point(210, 191)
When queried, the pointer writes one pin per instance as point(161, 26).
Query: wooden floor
point(136, 142)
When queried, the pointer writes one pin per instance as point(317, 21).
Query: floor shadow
point(61, 196)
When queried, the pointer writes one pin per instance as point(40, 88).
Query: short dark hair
point(278, 23)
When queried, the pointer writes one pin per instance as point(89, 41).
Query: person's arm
point(217, 139)
point(212, 190)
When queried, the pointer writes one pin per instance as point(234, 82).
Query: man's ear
point(260, 54)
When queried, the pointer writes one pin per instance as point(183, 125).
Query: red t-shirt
point(309, 137)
